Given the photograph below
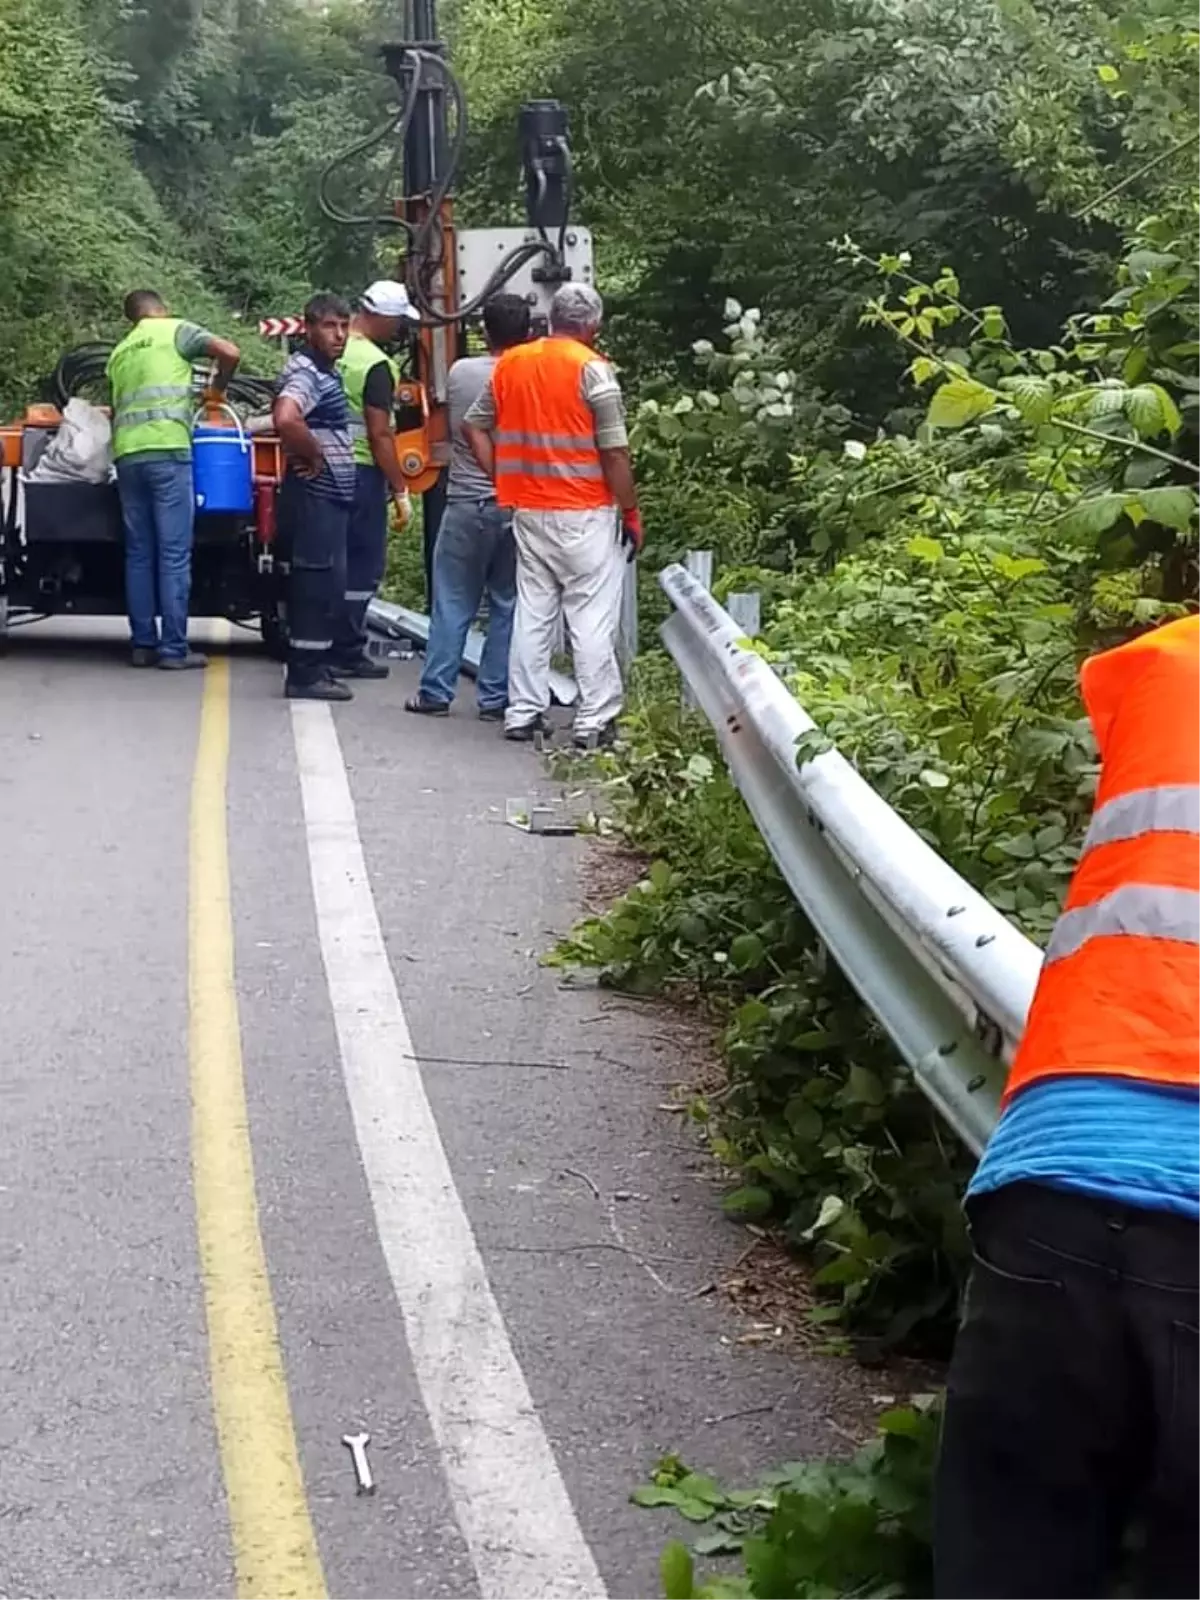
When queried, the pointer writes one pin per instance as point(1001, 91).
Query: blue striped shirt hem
point(1116, 1138)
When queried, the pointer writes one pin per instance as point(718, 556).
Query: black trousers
point(366, 558)
point(312, 532)
point(1071, 1408)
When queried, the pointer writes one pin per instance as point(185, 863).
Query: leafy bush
point(955, 575)
point(812, 1529)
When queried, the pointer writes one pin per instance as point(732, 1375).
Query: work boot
point(327, 689)
point(597, 739)
point(143, 656)
point(422, 706)
point(360, 667)
point(190, 662)
point(527, 732)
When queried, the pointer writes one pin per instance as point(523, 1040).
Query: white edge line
point(508, 1494)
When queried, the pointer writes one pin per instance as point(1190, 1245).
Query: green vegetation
point(856, 1527)
point(952, 578)
point(170, 145)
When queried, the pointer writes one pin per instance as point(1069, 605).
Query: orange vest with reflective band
point(1118, 995)
point(545, 436)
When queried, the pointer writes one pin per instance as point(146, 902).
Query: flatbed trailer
point(62, 548)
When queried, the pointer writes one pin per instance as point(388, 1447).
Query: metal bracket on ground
point(538, 816)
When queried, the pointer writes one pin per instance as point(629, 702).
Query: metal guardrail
point(398, 622)
point(947, 975)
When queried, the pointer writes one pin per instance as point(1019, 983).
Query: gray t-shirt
point(465, 382)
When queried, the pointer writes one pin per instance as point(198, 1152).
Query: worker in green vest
point(150, 376)
point(369, 376)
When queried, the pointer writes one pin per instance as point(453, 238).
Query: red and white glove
point(633, 535)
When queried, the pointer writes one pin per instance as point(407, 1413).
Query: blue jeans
point(157, 508)
point(474, 552)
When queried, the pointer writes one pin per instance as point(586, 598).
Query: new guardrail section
point(948, 976)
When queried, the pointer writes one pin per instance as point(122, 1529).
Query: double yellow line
point(274, 1545)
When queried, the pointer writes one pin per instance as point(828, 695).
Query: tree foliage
point(173, 145)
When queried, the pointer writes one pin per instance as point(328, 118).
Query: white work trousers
point(571, 564)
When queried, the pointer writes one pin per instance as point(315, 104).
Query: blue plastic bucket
point(222, 470)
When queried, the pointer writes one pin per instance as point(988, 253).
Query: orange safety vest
point(545, 436)
point(1118, 995)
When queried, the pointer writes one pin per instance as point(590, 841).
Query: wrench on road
point(357, 1444)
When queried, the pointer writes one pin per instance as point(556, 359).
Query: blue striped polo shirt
point(316, 387)
point(1115, 1138)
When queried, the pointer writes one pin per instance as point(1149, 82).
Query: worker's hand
point(633, 536)
point(310, 466)
point(402, 509)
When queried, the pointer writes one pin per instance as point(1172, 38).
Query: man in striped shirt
point(312, 418)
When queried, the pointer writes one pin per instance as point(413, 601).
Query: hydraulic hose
point(424, 252)
point(83, 369)
point(397, 125)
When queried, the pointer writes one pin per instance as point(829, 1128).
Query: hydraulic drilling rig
point(451, 271)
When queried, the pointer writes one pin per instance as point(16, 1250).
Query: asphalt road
point(298, 1138)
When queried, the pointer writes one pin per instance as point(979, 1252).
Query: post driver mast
point(449, 271)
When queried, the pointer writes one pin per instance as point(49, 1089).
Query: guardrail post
point(627, 623)
point(700, 564)
point(746, 611)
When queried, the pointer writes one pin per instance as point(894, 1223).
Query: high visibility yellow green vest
point(151, 390)
point(356, 364)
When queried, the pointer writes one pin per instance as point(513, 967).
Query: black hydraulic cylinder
point(546, 159)
point(426, 145)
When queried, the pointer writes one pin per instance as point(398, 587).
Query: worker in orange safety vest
point(550, 429)
point(1072, 1403)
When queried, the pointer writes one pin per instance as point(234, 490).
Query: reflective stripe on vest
point(1143, 910)
point(584, 442)
point(545, 446)
point(566, 471)
point(360, 357)
point(151, 390)
point(1118, 991)
point(1172, 808)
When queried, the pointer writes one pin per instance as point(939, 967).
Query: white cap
point(387, 298)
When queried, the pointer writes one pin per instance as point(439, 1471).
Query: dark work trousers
point(1071, 1406)
point(313, 532)
point(366, 558)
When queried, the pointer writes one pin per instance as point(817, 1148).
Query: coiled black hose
point(81, 372)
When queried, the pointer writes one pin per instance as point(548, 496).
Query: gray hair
point(576, 308)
